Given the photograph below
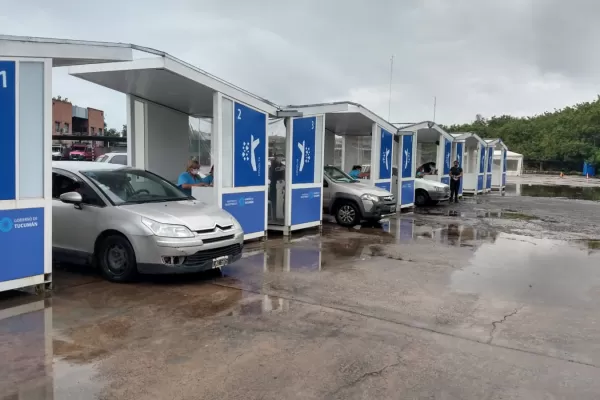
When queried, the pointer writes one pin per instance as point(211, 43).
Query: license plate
point(220, 262)
point(393, 209)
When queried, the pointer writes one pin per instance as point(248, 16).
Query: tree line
point(569, 135)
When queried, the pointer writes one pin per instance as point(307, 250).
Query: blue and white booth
point(404, 184)
point(473, 161)
point(162, 93)
point(25, 148)
point(434, 148)
point(367, 139)
point(499, 152)
point(295, 196)
point(490, 144)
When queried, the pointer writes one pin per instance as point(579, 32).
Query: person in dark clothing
point(456, 173)
point(276, 174)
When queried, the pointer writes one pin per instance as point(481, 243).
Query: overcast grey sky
point(517, 57)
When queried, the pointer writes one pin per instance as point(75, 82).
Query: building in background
point(73, 120)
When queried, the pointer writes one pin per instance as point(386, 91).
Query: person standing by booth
point(456, 173)
point(190, 178)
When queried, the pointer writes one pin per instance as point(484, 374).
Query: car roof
point(77, 166)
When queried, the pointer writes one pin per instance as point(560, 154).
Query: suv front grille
point(217, 239)
point(388, 199)
point(211, 230)
point(207, 255)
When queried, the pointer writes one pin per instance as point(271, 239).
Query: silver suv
point(351, 201)
point(127, 220)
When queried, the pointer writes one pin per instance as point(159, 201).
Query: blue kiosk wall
point(490, 163)
point(246, 199)
point(8, 128)
point(25, 220)
point(304, 175)
point(447, 155)
point(480, 178)
point(385, 146)
point(504, 165)
point(460, 152)
point(406, 195)
point(306, 201)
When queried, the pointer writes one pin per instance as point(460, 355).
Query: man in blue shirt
point(190, 178)
point(355, 172)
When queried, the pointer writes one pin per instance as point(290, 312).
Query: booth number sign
point(3, 79)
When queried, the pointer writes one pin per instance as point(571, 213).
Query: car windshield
point(102, 158)
point(134, 186)
point(337, 175)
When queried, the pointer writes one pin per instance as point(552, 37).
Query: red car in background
point(81, 152)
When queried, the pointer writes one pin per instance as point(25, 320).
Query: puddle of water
point(561, 191)
point(259, 304)
point(552, 272)
point(339, 249)
point(504, 214)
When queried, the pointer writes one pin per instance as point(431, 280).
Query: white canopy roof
point(346, 117)
point(168, 81)
point(64, 52)
point(427, 131)
point(469, 138)
point(509, 154)
point(495, 143)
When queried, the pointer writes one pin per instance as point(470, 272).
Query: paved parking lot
point(495, 298)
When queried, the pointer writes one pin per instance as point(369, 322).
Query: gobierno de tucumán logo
point(8, 224)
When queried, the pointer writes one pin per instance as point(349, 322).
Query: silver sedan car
point(129, 221)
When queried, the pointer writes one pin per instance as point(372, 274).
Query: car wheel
point(116, 259)
point(421, 198)
point(347, 214)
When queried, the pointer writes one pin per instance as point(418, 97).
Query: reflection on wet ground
point(562, 191)
point(457, 276)
point(502, 214)
point(531, 270)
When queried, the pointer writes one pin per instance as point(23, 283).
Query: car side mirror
point(72, 198)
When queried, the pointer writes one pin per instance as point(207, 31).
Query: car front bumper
point(380, 210)
point(156, 255)
point(439, 196)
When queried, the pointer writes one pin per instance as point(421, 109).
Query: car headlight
point(167, 230)
point(370, 197)
point(236, 224)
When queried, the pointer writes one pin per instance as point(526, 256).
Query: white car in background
point(113, 158)
point(57, 152)
point(430, 193)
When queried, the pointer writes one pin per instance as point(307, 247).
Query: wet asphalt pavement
point(494, 298)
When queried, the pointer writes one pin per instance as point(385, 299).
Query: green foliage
point(569, 134)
